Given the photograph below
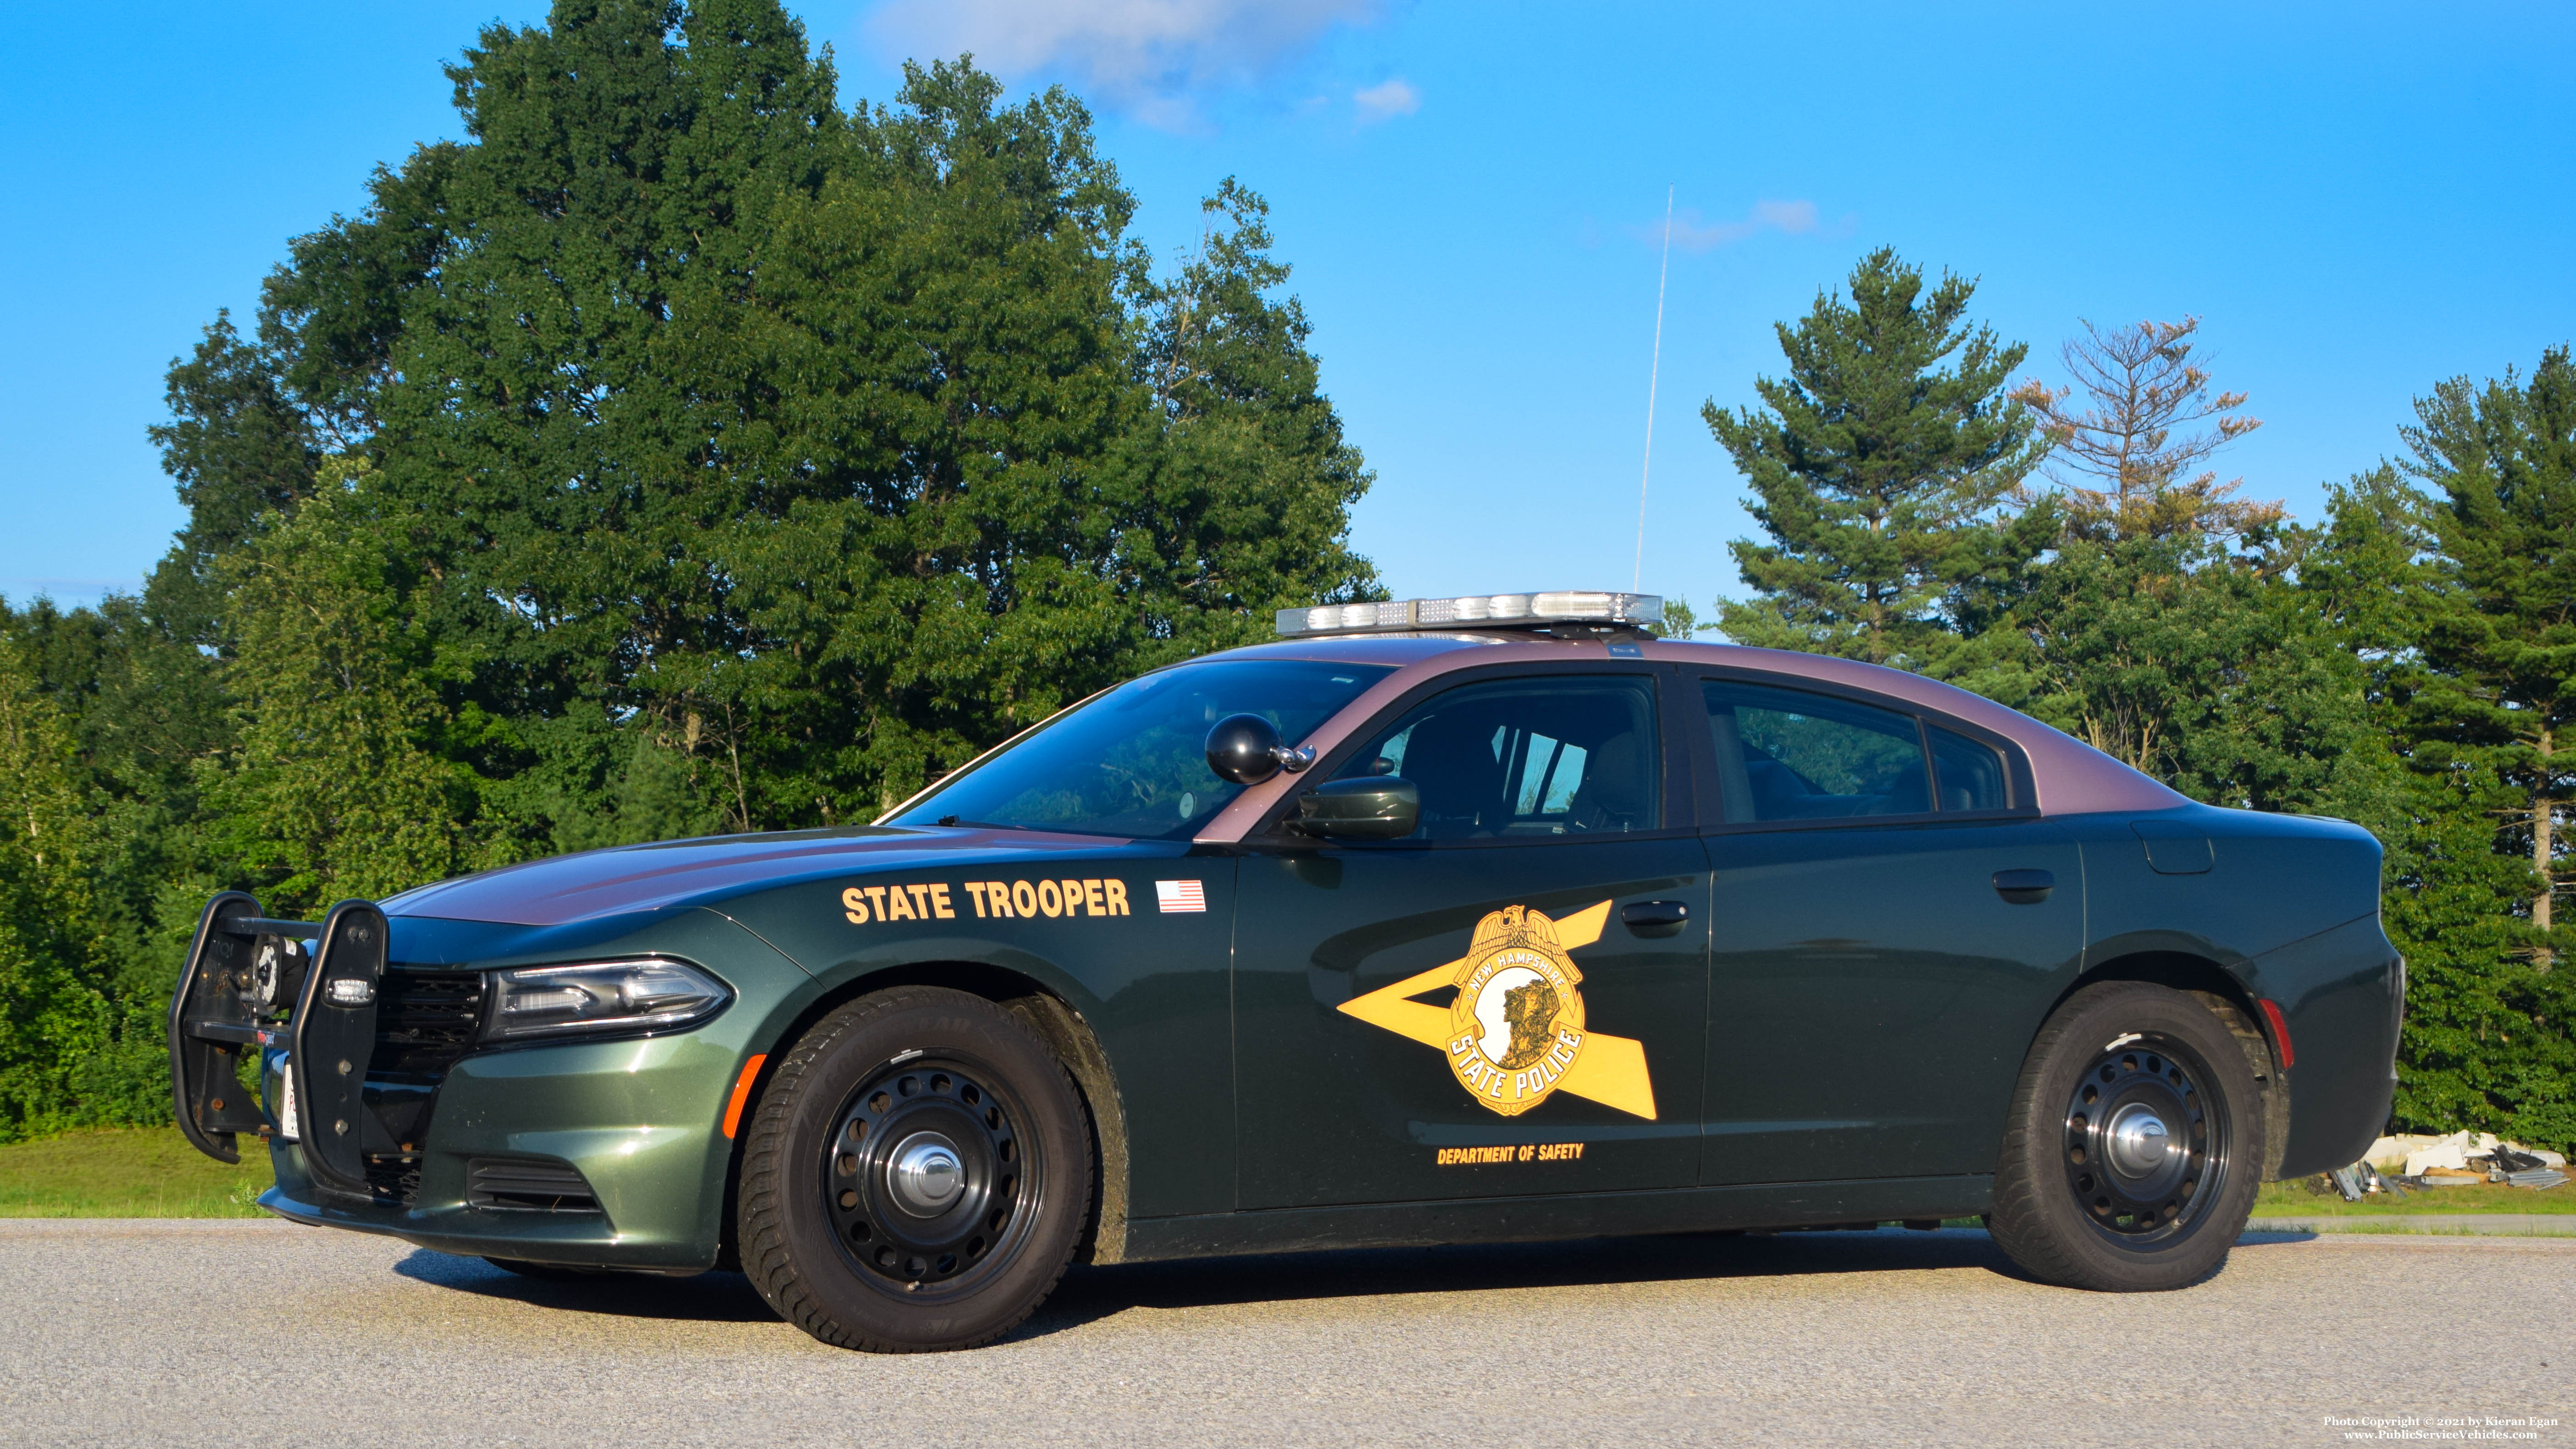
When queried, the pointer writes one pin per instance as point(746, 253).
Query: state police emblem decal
point(1516, 1026)
point(1514, 1033)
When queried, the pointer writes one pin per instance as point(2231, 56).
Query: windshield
point(1133, 762)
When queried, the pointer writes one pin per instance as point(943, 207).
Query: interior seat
point(1450, 760)
point(1613, 795)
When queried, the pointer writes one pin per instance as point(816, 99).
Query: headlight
point(604, 996)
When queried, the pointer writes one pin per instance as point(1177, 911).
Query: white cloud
point(1149, 57)
point(1388, 99)
point(1691, 234)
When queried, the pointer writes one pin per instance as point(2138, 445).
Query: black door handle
point(2024, 887)
point(1656, 918)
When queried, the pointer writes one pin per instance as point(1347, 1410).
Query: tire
point(916, 1176)
point(2088, 1192)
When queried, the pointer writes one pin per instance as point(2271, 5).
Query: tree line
point(682, 452)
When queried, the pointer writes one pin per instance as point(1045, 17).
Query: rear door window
point(1786, 754)
point(1971, 774)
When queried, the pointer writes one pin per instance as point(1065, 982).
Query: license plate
point(288, 1127)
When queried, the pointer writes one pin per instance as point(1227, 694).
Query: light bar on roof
point(1524, 611)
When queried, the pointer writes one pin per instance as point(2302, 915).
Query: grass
point(2311, 1197)
point(128, 1172)
point(152, 1172)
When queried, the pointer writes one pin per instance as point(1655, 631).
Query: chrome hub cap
point(926, 1175)
point(2139, 1145)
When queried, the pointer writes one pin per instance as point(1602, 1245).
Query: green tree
point(563, 419)
point(2477, 704)
point(333, 786)
point(1882, 475)
point(2500, 643)
point(52, 1015)
point(1249, 512)
point(2486, 1043)
point(2143, 634)
point(140, 709)
point(968, 444)
point(676, 452)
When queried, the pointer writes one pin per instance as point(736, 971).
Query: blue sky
point(2358, 201)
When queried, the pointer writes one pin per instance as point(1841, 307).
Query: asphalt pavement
point(205, 1334)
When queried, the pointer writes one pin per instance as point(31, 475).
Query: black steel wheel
point(915, 1176)
point(926, 1185)
point(2129, 1158)
point(2143, 1146)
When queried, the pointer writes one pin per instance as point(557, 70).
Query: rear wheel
point(917, 1174)
point(2134, 1145)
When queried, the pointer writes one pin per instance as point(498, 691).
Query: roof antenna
point(1654, 371)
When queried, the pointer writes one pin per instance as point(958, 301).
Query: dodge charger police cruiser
point(1475, 919)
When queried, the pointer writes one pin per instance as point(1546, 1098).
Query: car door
point(1509, 1000)
point(1876, 965)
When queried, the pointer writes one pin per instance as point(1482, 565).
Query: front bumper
point(641, 1120)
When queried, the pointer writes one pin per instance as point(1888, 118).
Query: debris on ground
point(2461, 1159)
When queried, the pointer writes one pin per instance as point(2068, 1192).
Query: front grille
point(528, 1184)
point(425, 1020)
point(393, 1178)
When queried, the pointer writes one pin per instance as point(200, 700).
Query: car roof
point(2071, 777)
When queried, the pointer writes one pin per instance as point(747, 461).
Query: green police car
point(1476, 919)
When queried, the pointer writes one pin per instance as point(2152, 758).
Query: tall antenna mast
point(1654, 372)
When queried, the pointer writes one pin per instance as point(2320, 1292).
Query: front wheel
point(917, 1174)
point(2134, 1145)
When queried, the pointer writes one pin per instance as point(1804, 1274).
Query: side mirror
point(1373, 807)
point(1245, 748)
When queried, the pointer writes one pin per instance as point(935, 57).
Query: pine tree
point(2140, 386)
point(2500, 644)
point(1881, 475)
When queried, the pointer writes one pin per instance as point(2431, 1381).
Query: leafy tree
point(969, 449)
point(1882, 475)
point(331, 788)
point(677, 452)
point(1250, 510)
point(562, 420)
point(52, 1015)
point(238, 446)
point(1680, 621)
point(2140, 384)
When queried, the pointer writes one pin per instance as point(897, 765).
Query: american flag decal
point(1180, 896)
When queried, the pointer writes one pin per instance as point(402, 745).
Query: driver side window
point(1534, 759)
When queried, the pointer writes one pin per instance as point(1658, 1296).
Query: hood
point(678, 873)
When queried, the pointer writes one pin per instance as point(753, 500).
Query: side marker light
point(742, 1092)
point(2280, 1031)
